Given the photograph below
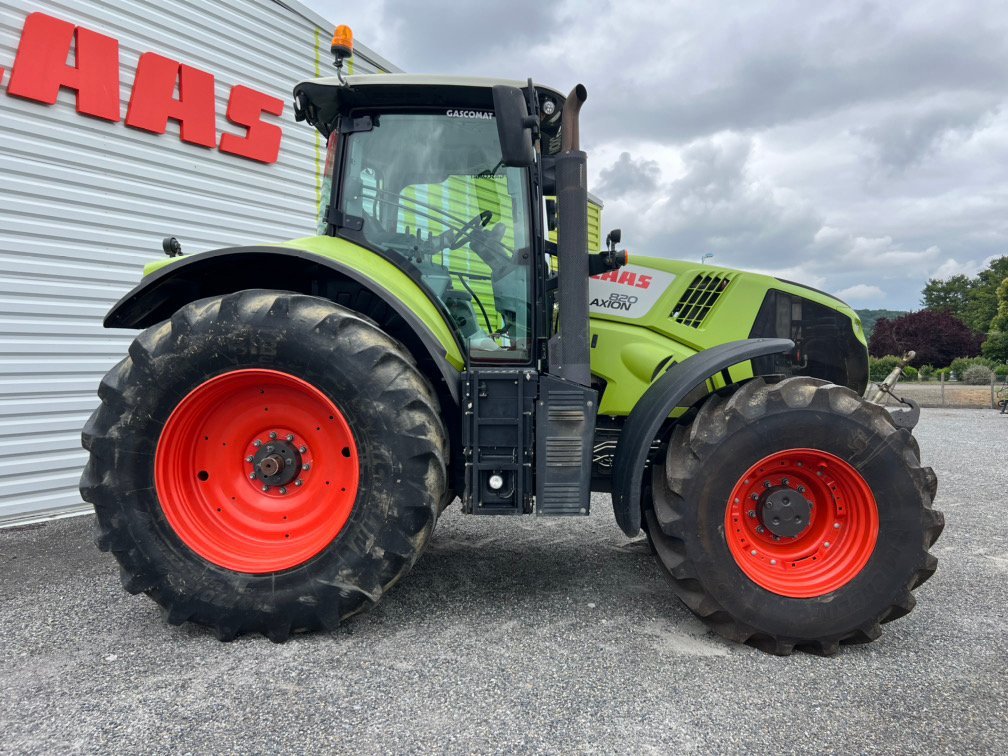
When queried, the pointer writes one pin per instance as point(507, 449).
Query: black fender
point(654, 407)
point(231, 269)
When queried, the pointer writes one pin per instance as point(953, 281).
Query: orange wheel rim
point(801, 523)
point(256, 471)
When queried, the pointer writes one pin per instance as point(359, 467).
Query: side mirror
point(514, 126)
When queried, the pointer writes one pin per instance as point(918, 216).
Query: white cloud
point(952, 267)
point(862, 294)
point(851, 144)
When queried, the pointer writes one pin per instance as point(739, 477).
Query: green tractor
point(273, 453)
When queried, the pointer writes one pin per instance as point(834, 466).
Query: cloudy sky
point(860, 147)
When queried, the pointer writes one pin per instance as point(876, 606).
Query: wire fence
point(955, 394)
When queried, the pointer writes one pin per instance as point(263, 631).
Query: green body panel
point(594, 226)
point(628, 352)
point(384, 274)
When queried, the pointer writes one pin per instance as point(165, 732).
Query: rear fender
point(231, 269)
point(653, 409)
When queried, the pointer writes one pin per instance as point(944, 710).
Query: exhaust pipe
point(569, 351)
point(570, 131)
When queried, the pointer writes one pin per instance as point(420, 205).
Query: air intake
point(699, 298)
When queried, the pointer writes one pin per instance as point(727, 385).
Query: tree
point(949, 294)
point(1000, 321)
point(982, 301)
point(936, 337)
point(870, 317)
point(972, 300)
point(996, 344)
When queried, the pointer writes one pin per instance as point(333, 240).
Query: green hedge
point(880, 367)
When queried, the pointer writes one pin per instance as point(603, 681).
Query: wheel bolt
point(836, 526)
point(801, 489)
point(298, 482)
point(773, 561)
point(776, 537)
point(767, 484)
point(754, 552)
point(819, 473)
point(754, 497)
point(302, 449)
point(290, 436)
point(306, 468)
point(272, 435)
point(752, 513)
point(249, 459)
point(826, 545)
point(257, 443)
point(283, 490)
point(785, 482)
point(761, 530)
point(251, 476)
point(265, 488)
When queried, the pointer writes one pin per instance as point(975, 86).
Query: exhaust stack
point(569, 352)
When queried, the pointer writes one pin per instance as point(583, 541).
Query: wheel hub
point(785, 512)
point(277, 463)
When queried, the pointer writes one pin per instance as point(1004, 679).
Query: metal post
point(942, 376)
point(993, 405)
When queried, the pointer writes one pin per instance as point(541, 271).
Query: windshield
point(431, 189)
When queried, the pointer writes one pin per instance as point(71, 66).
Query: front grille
point(699, 299)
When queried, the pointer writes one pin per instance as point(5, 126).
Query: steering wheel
point(465, 233)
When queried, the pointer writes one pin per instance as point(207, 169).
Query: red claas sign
point(41, 68)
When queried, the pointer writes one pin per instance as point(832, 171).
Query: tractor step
point(514, 416)
point(565, 429)
point(497, 439)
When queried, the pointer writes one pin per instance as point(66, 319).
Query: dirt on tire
point(390, 406)
point(686, 503)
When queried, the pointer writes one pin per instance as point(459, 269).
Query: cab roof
point(320, 101)
point(414, 80)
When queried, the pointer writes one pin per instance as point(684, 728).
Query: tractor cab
point(415, 171)
point(441, 176)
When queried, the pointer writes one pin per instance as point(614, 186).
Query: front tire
point(264, 462)
point(858, 525)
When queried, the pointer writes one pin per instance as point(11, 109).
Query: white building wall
point(84, 203)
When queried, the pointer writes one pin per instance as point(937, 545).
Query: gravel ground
point(515, 635)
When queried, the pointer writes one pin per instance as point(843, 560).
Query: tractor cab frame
point(440, 176)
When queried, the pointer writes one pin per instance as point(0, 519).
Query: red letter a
point(153, 103)
point(40, 67)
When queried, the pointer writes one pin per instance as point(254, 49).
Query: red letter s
point(40, 66)
point(262, 140)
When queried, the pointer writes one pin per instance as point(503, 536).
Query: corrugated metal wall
point(84, 203)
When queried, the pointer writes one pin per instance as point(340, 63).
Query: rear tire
point(173, 451)
point(863, 547)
